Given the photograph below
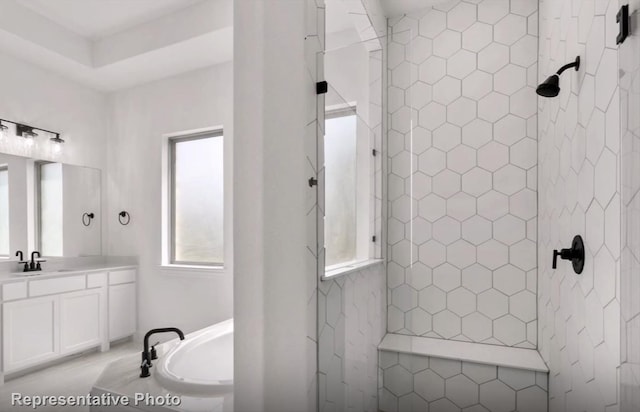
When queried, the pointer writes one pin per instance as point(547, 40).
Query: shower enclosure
point(482, 181)
point(629, 81)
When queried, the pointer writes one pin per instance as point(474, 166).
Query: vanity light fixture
point(28, 132)
point(57, 139)
point(25, 131)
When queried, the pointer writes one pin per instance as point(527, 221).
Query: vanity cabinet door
point(81, 325)
point(30, 332)
point(122, 310)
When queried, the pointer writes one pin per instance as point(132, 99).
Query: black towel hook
point(124, 218)
point(86, 218)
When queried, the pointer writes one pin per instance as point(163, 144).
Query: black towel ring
point(86, 218)
point(124, 218)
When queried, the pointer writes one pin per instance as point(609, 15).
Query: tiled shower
point(462, 182)
point(579, 193)
point(484, 179)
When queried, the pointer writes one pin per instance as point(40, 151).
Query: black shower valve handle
point(565, 254)
point(555, 259)
point(575, 254)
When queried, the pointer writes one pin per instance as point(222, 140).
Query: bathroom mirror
point(54, 208)
point(13, 204)
point(67, 210)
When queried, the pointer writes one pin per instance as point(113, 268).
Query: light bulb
point(56, 145)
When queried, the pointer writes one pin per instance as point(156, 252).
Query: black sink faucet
point(146, 356)
point(34, 265)
point(21, 260)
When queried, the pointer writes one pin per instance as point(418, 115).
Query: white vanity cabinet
point(81, 320)
point(122, 304)
point(45, 319)
point(30, 332)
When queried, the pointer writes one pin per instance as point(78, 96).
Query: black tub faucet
point(146, 355)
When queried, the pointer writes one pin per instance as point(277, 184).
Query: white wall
point(34, 96)
point(39, 98)
point(277, 117)
point(188, 299)
point(579, 151)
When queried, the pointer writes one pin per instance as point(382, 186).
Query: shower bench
point(453, 375)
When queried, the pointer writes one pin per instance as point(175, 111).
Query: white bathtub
point(201, 365)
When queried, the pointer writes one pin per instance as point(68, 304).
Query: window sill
point(192, 270)
point(350, 268)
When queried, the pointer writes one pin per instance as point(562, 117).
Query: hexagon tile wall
point(629, 62)
point(579, 141)
point(462, 183)
point(420, 383)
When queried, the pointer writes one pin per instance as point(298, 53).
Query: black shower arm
point(575, 64)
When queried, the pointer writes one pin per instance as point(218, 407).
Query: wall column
point(272, 96)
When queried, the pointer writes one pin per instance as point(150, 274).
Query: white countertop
point(45, 274)
point(518, 358)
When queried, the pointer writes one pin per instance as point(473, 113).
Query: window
point(340, 187)
point(49, 212)
point(4, 211)
point(348, 190)
point(197, 199)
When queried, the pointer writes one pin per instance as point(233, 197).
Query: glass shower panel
point(629, 82)
point(352, 148)
point(352, 162)
point(406, 185)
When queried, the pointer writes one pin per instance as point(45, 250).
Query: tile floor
point(73, 377)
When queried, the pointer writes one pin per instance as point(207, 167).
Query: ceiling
point(94, 19)
point(110, 45)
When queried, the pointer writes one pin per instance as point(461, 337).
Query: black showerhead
point(551, 86)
